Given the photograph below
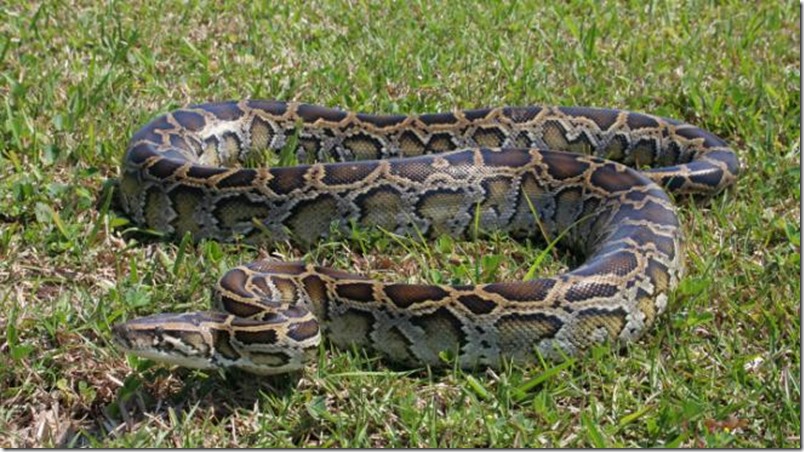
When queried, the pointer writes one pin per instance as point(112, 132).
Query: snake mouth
point(120, 337)
point(128, 339)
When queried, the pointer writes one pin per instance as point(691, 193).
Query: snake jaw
point(277, 343)
point(183, 339)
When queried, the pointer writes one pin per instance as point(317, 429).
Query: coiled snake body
point(496, 169)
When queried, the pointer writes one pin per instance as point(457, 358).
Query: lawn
point(721, 368)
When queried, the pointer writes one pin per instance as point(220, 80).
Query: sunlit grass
point(721, 369)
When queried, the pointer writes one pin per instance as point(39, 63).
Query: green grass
point(721, 369)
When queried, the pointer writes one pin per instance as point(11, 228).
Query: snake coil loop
point(502, 168)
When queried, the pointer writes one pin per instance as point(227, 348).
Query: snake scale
point(529, 171)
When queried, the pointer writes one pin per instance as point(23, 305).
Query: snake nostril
point(119, 334)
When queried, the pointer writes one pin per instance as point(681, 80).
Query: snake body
point(549, 172)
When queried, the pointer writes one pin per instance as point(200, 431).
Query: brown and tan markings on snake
point(434, 174)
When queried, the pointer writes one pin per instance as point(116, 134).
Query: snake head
point(184, 339)
point(275, 343)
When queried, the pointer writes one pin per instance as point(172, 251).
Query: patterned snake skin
point(499, 169)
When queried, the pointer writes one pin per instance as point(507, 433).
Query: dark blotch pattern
point(234, 281)
point(405, 295)
point(165, 168)
point(438, 119)
point(584, 290)
point(256, 336)
point(140, 153)
point(729, 158)
point(619, 264)
point(534, 290)
point(239, 179)
point(610, 179)
point(356, 291)
point(190, 120)
point(476, 304)
point(228, 111)
point(304, 330)
point(710, 177)
point(460, 158)
point(564, 166)
point(312, 113)
point(223, 345)
point(639, 121)
point(205, 172)
point(175, 154)
point(316, 289)
point(269, 106)
point(295, 312)
point(673, 183)
point(515, 158)
point(381, 120)
point(287, 179)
